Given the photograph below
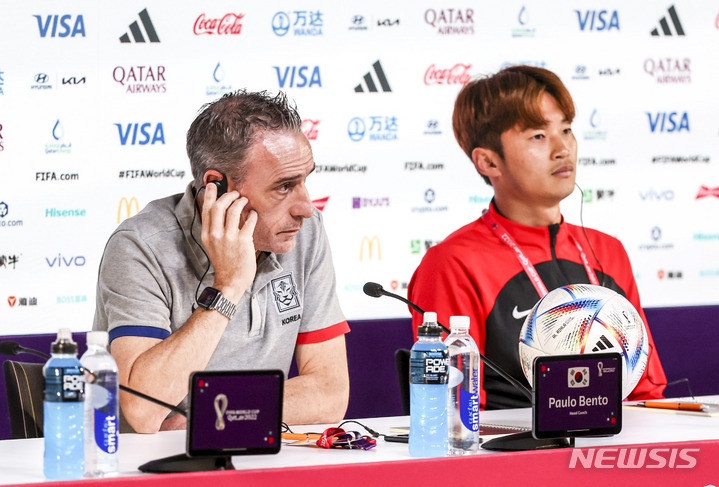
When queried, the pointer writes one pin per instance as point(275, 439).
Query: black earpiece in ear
point(221, 185)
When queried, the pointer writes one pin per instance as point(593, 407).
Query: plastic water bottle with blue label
point(462, 388)
point(429, 364)
point(64, 457)
point(102, 419)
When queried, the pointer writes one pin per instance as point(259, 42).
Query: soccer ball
point(582, 318)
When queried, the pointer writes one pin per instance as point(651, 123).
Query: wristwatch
point(212, 298)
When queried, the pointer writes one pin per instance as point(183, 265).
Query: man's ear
point(213, 175)
point(486, 161)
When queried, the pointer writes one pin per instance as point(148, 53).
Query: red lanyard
point(504, 236)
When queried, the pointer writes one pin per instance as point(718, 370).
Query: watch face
point(207, 297)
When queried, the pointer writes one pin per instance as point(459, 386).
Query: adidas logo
point(665, 25)
point(602, 344)
point(369, 80)
point(137, 33)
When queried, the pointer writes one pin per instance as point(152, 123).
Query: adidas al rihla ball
point(583, 318)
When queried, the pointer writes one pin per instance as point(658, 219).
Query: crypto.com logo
point(654, 457)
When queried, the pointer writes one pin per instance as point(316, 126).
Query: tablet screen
point(235, 412)
point(577, 395)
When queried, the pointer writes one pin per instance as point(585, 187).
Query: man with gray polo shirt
point(236, 273)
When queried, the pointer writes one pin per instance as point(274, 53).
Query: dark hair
point(225, 129)
point(485, 108)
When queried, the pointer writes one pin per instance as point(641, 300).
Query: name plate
point(577, 395)
point(235, 412)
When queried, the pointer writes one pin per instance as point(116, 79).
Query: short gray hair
point(224, 130)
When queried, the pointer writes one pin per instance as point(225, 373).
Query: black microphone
point(14, 348)
point(375, 290)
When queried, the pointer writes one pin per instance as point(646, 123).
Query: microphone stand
point(514, 442)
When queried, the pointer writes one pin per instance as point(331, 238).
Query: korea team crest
point(285, 293)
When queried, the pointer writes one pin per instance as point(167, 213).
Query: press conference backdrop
point(96, 97)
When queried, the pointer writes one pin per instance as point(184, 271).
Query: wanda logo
point(230, 24)
point(456, 75)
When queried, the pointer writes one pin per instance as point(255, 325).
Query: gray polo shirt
point(150, 272)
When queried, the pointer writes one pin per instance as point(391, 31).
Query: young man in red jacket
point(515, 126)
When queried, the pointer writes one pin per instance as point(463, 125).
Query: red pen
point(677, 406)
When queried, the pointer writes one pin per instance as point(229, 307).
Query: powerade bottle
point(63, 411)
point(429, 364)
point(101, 407)
point(463, 388)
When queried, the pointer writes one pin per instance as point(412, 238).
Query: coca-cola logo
point(456, 75)
point(229, 24)
point(309, 128)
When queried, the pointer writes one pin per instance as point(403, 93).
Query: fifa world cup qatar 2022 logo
point(220, 408)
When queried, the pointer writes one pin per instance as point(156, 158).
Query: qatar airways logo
point(229, 24)
point(141, 79)
point(451, 21)
point(634, 458)
point(456, 75)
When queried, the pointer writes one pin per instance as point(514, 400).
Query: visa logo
point(297, 76)
point(667, 122)
point(129, 133)
point(597, 20)
point(50, 25)
point(63, 261)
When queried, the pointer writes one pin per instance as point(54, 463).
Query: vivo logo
point(668, 122)
point(298, 76)
point(50, 24)
point(654, 195)
point(597, 20)
point(633, 458)
point(62, 261)
point(130, 134)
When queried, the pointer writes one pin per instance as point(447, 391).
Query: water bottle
point(101, 408)
point(64, 457)
point(462, 388)
point(429, 364)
